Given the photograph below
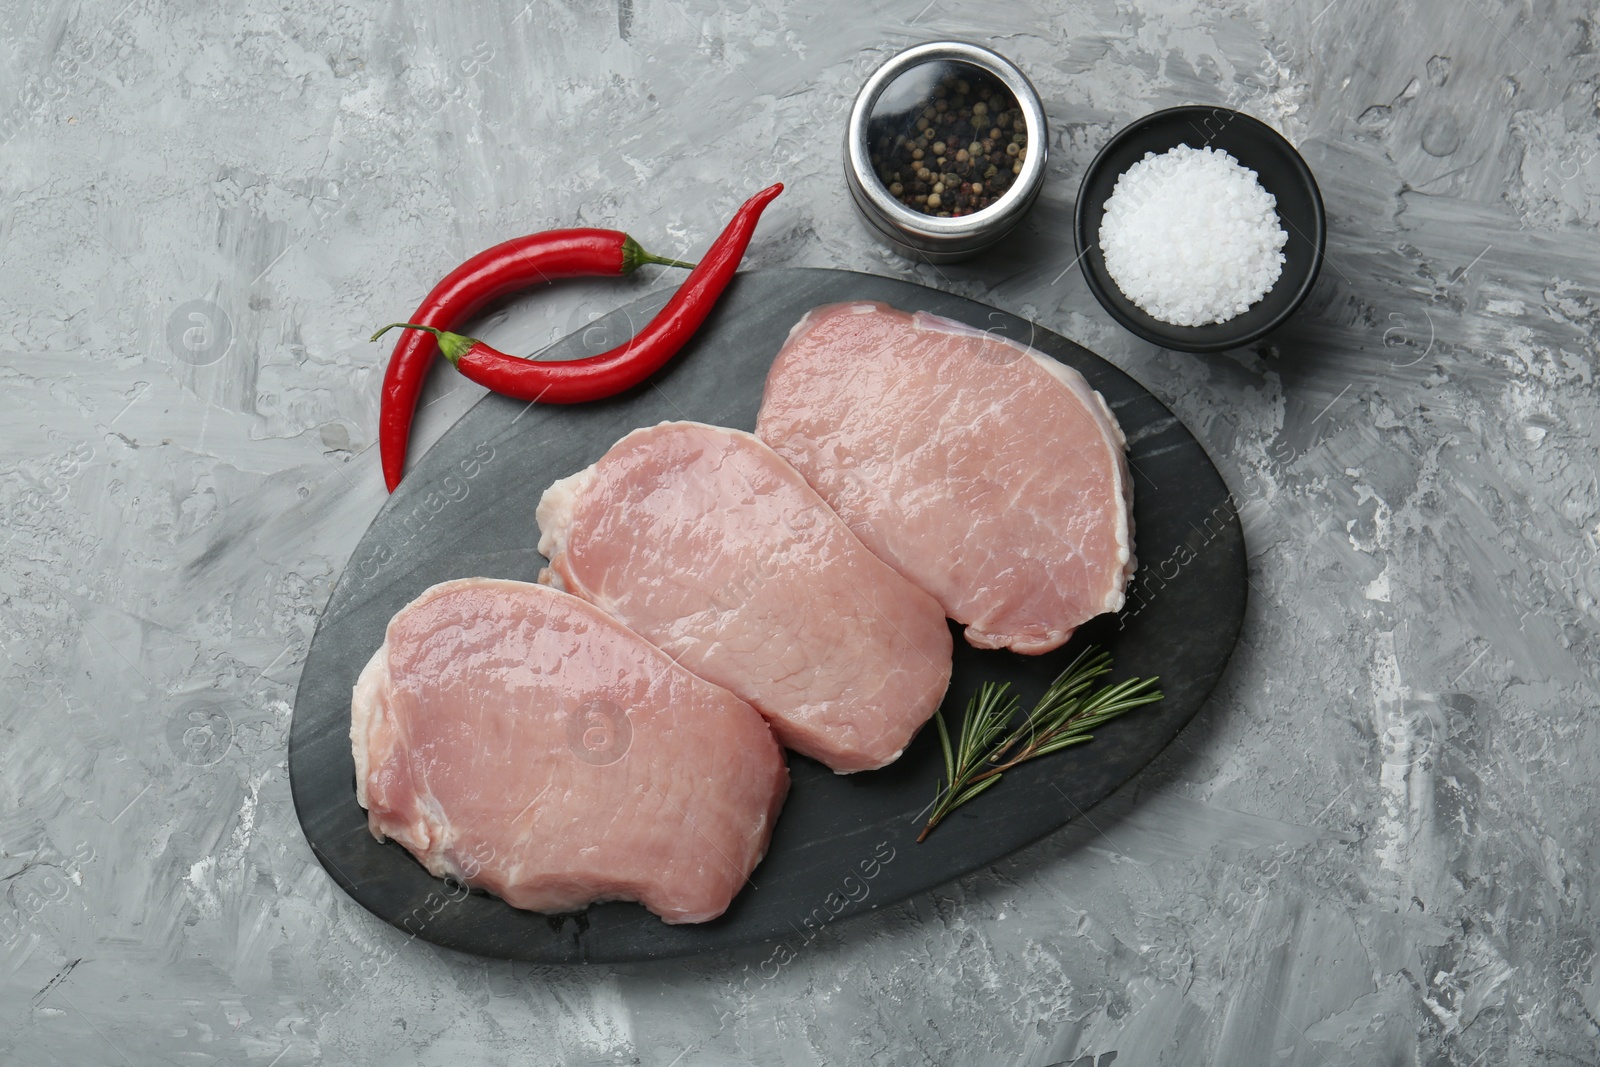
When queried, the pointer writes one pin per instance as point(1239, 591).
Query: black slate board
point(844, 845)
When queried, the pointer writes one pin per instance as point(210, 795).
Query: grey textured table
point(1376, 845)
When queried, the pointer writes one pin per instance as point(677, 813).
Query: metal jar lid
point(911, 232)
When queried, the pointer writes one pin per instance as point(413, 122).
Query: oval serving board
point(844, 845)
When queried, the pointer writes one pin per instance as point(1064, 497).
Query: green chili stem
point(453, 345)
point(634, 256)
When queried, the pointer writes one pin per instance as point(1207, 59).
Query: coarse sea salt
point(1191, 237)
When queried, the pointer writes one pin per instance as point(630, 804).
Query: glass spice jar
point(946, 150)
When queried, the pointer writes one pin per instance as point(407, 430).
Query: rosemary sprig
point(988, 745)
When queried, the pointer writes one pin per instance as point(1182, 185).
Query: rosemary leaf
point(973, 791)
point(944, 743)
point(1063, 742)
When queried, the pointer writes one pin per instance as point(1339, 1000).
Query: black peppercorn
point(948, 154)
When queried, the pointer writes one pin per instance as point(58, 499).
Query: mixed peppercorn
point(954, 153)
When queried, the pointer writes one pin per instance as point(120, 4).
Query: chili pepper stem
point(451, 345)
point(634, 256)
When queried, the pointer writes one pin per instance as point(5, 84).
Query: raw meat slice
point(518, 739)
point(987, 473)
point(704, 541)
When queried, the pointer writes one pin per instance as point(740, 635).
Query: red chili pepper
point(489, 275)
point(594, 377)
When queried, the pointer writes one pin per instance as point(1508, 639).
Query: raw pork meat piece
point(987, 473)
point(518, 739)
point(704, 541)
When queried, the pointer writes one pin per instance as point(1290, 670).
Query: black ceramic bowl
point(1281, 172)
